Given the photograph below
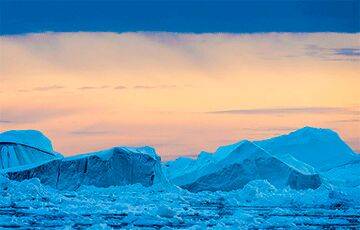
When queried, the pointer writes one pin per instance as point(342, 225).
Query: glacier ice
point(112, 167)
point(25, 147)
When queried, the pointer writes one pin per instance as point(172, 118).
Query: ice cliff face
point(244, 163)
point(25, 147)
point(113, 167)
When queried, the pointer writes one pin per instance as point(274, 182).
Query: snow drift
point(112, 167)
point(245, 163)
point(24, 148)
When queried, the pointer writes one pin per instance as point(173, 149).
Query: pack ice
point(24, 148)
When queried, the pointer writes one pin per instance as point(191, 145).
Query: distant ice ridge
point(244, 163)
point(298, 160)
point(308, 151)
point(117, 166)
point(24, 148)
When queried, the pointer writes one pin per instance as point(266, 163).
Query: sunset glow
point(181, 93)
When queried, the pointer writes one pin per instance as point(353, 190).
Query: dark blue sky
point(174, 16)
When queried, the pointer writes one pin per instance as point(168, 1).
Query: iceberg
point(309, 151)
point(117, 166)
point(25, 147)
point(246, 162)
point(239, 186)
point(323, 149)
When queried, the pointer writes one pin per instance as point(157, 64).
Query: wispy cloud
point(42, 88)
point(90, 132)
point(23, 90)
point(347, 121)
point(5, 121)
point(34, 114)
point(144, 87)
point(271, 129)
point(333, 54)
point(154, 87)
point(120, 87)
point(93, 87)
point(47, 88)
point(287, 110)
point(352, 52)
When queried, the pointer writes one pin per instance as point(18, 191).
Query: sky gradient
point(179, 92)
point(182, 76)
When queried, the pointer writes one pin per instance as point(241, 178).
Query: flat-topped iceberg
point(24, 148)
point(112, 167)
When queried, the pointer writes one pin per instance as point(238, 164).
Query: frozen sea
point(29, 204)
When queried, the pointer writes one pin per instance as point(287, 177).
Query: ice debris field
point(308, 179)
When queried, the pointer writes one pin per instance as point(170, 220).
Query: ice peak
point(246, 149)
point(245, 145)
point(308, 130)
point(148, 150)
point(306, 134)
point(318, 147)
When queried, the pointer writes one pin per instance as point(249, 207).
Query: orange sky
point(89, 91)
